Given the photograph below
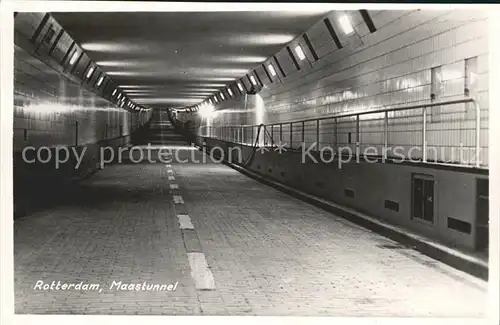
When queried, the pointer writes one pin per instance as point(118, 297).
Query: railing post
point(335, 133)
point(121, 134)
point(357, 135)
point(424, 134)
point(281, 133)
point(303, 135)
point(478, 132)
point(317, 135)
point(254, 134)
point(386, 133)
point(272, 134)
point(76, 133)
point(291, 135)
point(264, 134)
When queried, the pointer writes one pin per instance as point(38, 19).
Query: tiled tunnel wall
point(54, 104)
point(57, 106)
point(50, 110)
point(410, 55)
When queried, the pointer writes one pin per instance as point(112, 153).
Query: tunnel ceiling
point(176, 59)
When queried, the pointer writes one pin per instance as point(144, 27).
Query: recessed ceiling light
point(299, 52)
point(91, 70)
point(222, 96)
point(114, 47)
point(240, 87)
point(252, 79)
point(346, 24)
point(114, 92)
point(260, 39)
point(101, 79)
point(230, 92)
point(73, 58)
point(271, 69)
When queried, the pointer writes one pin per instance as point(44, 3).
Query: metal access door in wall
point(423, 197)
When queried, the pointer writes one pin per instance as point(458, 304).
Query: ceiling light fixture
point(91, 70)
point(346, 25)
point(73, 58)
point(101, 79)
point(299, 52)
point(271, 69)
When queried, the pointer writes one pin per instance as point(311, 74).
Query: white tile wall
point(47, 105)
point(389, 68)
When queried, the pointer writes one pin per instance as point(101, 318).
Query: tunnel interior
point(292, 162)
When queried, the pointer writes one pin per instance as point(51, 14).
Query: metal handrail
point(394, 109)
point(385, 111)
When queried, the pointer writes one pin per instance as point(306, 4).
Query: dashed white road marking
point(170, 171)
point(171, 178)
point(185, 221)
point(201, 274)
point(168, 166)
point(178, 199)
